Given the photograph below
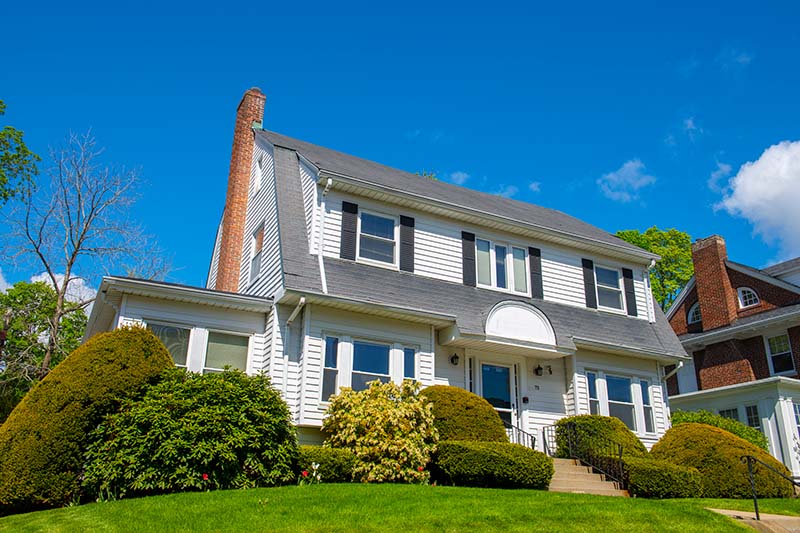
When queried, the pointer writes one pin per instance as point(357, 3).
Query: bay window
point(370, 363)
point(330, 370)
point(501, 266)
point(594, 400)
point(409, 363)
point(620, 400)
point(649, 421)
point(630, 399)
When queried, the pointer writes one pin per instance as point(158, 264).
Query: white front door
point(498, 388)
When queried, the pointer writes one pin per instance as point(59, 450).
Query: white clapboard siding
point(262, 207)
point(547, 404)
point(437, 249)
point(211, 282)
point(641, 295)
point(562, 277)
point(308, 182)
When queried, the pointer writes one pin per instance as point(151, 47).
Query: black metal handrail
point(604, 455)
point(751, 464)
point(519, 436)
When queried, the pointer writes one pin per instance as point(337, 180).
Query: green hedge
point(751, 435)
point(42, 442)
point(195, 432)
point(335, 464)
point(593, 430)
point(464, 416)
point(491, 464)
point(650, 478)
point(716, 454)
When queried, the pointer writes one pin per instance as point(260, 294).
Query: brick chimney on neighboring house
point(251, 109)
point(714, 290)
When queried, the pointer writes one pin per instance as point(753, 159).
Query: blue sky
point(626, 116)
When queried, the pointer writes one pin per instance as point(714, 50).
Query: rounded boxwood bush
point(716, 454)
point(194, 432)
point(650, 478)
point(751, 435)
point(491, 464)
point(593, 431)
point(461, 415)
point(335, 464)
point(43, 440)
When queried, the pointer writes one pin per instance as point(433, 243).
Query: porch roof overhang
point(629, 351)
point(782, 384)
point(452, 336)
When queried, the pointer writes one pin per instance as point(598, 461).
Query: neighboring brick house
point(741, 325)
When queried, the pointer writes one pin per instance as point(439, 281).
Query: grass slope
point(386, 508)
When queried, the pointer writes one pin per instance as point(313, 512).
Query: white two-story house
point(331, 271)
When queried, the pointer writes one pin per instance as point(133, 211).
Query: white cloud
point(78, 290)
point(506, 191)
point(4, 285)
point(723, 171)
point(535, 186)
point(766, 192)
point(459, 177)
point(691, 129)
point(624, 184)
point(733, 59)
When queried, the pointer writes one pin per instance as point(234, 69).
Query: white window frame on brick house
point(774, 335)
point(747, 297)
point(509, 265)
point(694, 316)
point(395, 263)
point(604, 286)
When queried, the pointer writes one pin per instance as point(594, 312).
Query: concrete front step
point(573, 485)
point(572, 477)
point(597, 492)
point(577, 476)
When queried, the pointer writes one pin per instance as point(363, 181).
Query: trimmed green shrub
point(592, 432)
point(491, 464)
point(388, 427)
point(461, 415)
point(650, 478)
point(751, 435)
point(42, 442)
point(716, 454)
point(194, 432)
point(335, 464)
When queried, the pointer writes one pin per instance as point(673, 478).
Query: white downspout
point(320, 233)
point(672, 372)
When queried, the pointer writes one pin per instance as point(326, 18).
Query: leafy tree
point(675, 268)
point(428, 174)
point(17, 162)
point(27, 309)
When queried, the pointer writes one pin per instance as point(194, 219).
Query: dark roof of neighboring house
point(746, 322)
point(780, 268)
point(470, 305)
point(369, 171)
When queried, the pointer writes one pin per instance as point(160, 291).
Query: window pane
point(371, 358)
point(782, 363)
point(779, 344)
point(619, 389)
point(733, 414)
point(378, 226)
point(594, 407)
point(753, 420)
point(255, 267)
point(645, 392)
point(328, 383)
point(609, 298)
point(609, 278)
point(331, 351)
point(649, 423)
point(225, 349)
point(591, 377)
point(175, 339)
point(624, 412)
point(496, 381)
point(409, 363)
point(376, 249)
point(520, 271)
point(484, 262)
point(500, 263)
point(360, 380)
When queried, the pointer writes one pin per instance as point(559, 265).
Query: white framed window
point(409, 363)
point(259, 174)
point(256, 249)
point(747, 297)
point(649, 420)
point(779, 354)
point(175, 338)
point(501, 266)
point(694, 316)
point(370, 363)
point(796, 407)
point(594, 399)
point(330, 370)
point(620, 400)
point(732, 413)
point(609, 291)
point(226, 349)
point(628, 398)
point(753, 418)
point(377, 238)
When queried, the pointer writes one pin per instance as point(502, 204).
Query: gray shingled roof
point(779, 268)
point(773, 314)
point(348, 279)
point(355, 167)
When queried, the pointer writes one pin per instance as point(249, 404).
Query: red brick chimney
point(251, 109)
point(714, 290)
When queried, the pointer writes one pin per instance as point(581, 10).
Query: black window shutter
point(406, 243)
point(468, 254)
point(630, 294)
point(347, 248)
point(535, 255)
point(588, 283)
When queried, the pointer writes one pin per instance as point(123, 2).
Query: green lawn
point(399, 508)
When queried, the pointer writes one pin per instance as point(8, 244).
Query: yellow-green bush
point(717, 453)
point(335, 464)
point(461, 415)
point(388, 427)
point(491, 464)
point(593, 432)
point(651, 478)
point(43, 441)
point(751, 435)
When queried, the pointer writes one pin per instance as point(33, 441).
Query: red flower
point(420, 468)
point(305, 473)
point(205, 477)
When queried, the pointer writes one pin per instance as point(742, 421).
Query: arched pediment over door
point(520, 321)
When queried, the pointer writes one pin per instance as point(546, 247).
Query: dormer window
point(694, 316)
point(377, 238)
point(747, 297)
point(609, 292)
